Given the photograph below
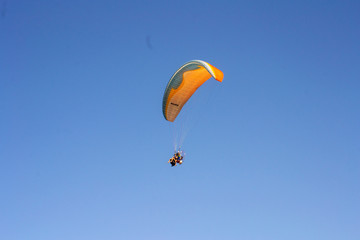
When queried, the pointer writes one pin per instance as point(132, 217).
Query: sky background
point(84, 145)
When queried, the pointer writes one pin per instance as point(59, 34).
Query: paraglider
point(177, 158)
point(182, 85)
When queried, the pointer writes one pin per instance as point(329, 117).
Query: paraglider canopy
point(183, 84)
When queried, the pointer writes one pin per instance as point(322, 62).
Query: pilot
point(172, 161)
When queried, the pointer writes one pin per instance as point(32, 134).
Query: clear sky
point(84, 145)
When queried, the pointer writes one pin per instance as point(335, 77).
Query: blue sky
point(84, 145)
